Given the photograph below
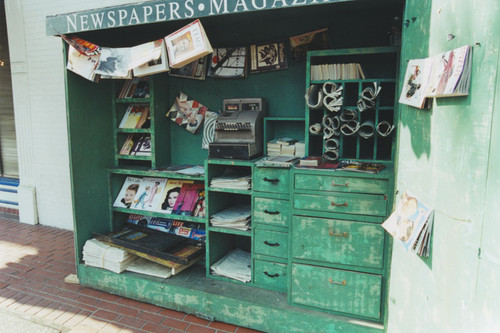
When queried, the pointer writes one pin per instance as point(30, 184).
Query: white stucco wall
point(40, 109)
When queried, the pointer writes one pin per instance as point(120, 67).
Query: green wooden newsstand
point(320, 259)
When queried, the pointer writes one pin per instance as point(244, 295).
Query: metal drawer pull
point(271, 244)
point(271, 213)
point(346, 184)
point(339, 205)
point(345, 234)
point(272, 181)
point(343, 282)
point(272, 276)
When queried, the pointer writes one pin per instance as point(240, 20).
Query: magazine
point(128, 192)
point(114, 63)
point(228, 63)
point(194, 70)
point(415, 83)
point(408, 220)
point(187, 113)
point(82, 64)
point(268, 57)
point(358, 166)
point(149, 58)
point(187, 44)
point(170, 194)
point(148, 195)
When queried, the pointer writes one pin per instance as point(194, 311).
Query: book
point(149, 58)
point(187, 113)
point(309, 41)
point(143, 146)
point(187, 44)
point(82, 64)
point(188, 196)
point(358, 166)
point(148, 194)
point(310, 161)
point(169, 195)
point(194, 70)
point(190, 230)
point(132, 115)
point(142, 88)
point(408, 221)
point(145, 119)
point(228, 63)
point(281, 160)
point(286, 141)
point(128, 192)
point(128, 144)
point(268, 57)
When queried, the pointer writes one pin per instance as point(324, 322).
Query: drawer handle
point(271, 213)
point(343, 282)
point(271, 244)
point(339, 205)
point(345, 234)
point(346, 184)
point(273, 181)
point(272, 276)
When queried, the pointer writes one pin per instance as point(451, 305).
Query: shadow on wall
point(416, 31)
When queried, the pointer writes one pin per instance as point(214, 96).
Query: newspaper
point(237, 264)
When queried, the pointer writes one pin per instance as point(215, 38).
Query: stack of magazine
point(236, 217)
point(98, 254)
point(232, 180)
point(235, 265)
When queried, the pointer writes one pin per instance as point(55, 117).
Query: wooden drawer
point(340, 184)
point(271, 211)
point(271, 275)
point(337, 290)
point(338, 241)
point(275, 180)
point(349, 203)
point(271, 243)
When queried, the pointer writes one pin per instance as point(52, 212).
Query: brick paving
point(34, 260)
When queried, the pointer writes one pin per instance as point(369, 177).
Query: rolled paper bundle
point(348, 115)
point(384, 128)
point(368, 96)
point(332, 89)
point(314, 97)
point(332, 103)
point(331, 155)
point(332, 144)
point(330, 126)
point(336, 123)
point(315, 128)
point(350, 128)
point(366, 129)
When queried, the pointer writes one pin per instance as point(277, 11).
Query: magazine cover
point(148, 194)
point(187, 113)
point(228, 63)
point(407, 221)
point(194, 70)
point(268, 57)
point(82, 64)
point(414, 90)
point(114, 62)
point(314, 40)
point(128, 192)
point(152, 56)
point(187, 199)
point(169, 195)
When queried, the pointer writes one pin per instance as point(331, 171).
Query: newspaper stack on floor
point(147, 267)
point(237, 264)
point(98, 254)
point(236, 217)
point(232, 179)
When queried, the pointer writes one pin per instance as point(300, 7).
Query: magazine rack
point(289, 205)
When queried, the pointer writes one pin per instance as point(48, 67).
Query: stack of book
point(286, 146)
point(235, 265)
point(351, 71)
point(236, 217)
point(98, 254)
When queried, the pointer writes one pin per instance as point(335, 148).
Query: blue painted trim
point(9, 181)
point(7, 190)
point(9, 202)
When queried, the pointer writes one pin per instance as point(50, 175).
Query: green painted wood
point(271, 243)
point(275, 180)
point(338, 241)
point(270, 275)
point(271, 211)
point(340, 184)
point(346, 203)
point(337, 290)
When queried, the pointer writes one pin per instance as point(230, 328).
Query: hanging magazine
point(187, 113)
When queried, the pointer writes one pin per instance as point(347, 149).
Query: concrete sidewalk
point(34, 261)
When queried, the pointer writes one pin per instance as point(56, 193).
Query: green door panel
point(271, 211)
point(271, 275)
point(338, 241)
point(364, 204)
point(271, 243)
point(337, 290)
point(274, 180)
point(340, 184)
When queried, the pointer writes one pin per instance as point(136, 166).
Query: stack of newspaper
point(232, 179)
point(236, 217)
point(98, 254)
point(237, 264)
